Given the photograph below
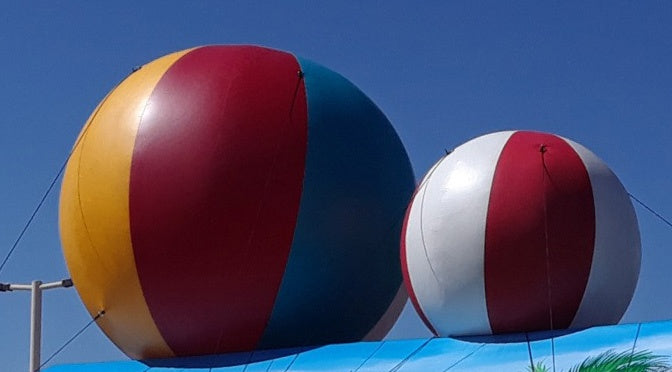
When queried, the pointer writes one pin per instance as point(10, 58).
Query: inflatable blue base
point(645, 346)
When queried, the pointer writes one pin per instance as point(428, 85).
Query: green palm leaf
point(539, 367)
point(640, 361)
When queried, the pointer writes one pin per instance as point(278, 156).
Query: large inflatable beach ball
point(520, 231)
point(235, 198)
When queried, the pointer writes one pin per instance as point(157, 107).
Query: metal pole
point(35, 288)
point(35, 325)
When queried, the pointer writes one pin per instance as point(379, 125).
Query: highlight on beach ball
point(235, 198)
point(520, 231)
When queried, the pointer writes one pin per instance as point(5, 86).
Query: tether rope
point(58, 175)
point(267, 183)
point(465, 357)
point(411, 355)
point(249, 360)
point(425, 183)
point(650, 210)
point(380, 345)
point(545, 172)
point(529, 351)
point(634, 343)
point(296, 356)
point(269, 365)
point(39, 205)
point(98, 316)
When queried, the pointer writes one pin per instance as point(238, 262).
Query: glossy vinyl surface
point(95, 187)
point(357, 183)
point(501, 237)
point(537, 200)
point(248, 198)
point(218, 169)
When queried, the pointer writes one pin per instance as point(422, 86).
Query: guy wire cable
point(58, 174)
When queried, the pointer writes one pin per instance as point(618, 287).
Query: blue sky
point(597, 73)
